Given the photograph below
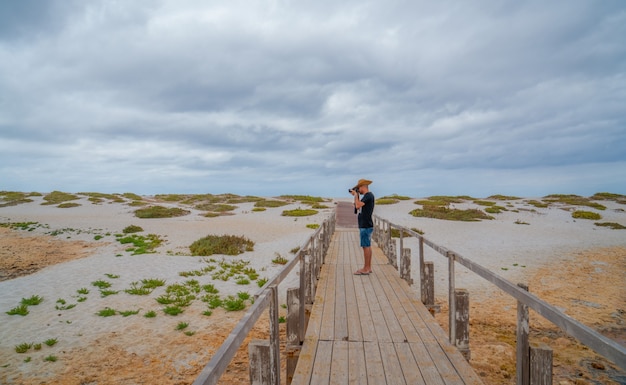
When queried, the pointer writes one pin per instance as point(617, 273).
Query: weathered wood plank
point(323, 360)
point(327, 329)
point(358, 370)
point(341, 317)
point(391, 364)
point(374, 363)
point(352, 310)
point(340, 363)
point(410, 368)
point(389, 312)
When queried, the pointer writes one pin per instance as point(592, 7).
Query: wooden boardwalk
point(371, 329)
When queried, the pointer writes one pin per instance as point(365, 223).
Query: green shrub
point(32, 301)
point(612, 225)
point(224, 244)
point(57, 197)
point(160, 212)
point(299, 212)
point(132, 229)
point(440, 212)
point(586, 215)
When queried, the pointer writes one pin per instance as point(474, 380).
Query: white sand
point(510, 249)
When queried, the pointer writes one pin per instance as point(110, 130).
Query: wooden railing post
point(293, 346)
point(405, 266)
point(522, 368)
point(462, 316)
point(274, 337)
point(541, 365)
point(428, 286)
point(259, 357)
point(451, 302)
point(392, 255)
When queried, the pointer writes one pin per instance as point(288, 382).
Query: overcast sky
point(306, 97)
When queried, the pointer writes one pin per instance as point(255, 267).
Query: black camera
point(355, 189)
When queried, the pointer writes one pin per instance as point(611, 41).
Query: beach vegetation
point(107, 312)
point(299, 212)
point(295, 250)
point(574, 200)
point(619, 198)
point(189, 333)
point(32, 300)
point(58, 197)
point(68, 205)
point(83, 291)
point(160, 212)
point(51, 341)
point(261, 282)
point(495, 209)
point(270, 203)
point(612, 225)
point(445, 213)
point(221, 244)
point(62, 305)
point(538, 204)
point(243, 295)
point(213, 301)
point(14, 198)
point(232, 303)
point(137, 289)
point(520, 222)
point(132, 229)
point(172, 310)
point(126, 313)
point(23, 347)
point(207, 313)
point(182, 325)
point(210, 288)
point(258, 209)
point(580, 214)
point(112, 276)
point(150, 314)
point(50, 358)
point(141, 244)
point(97, 198)
point(19, 310)
point(313, 226)
point(386, 201)
point(152, 283)
point(279, 259)
point(101, 284)
point(499, 197)
point(215, 207)
point(37, 346)
point(395, 233)
point(26, 226)
point(106, 292)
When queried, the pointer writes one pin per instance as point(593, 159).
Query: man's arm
point(357, 202)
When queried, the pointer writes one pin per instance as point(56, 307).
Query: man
point(365, 208)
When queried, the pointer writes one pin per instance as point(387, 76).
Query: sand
point(589, 284)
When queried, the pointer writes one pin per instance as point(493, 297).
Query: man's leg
point(367, 256)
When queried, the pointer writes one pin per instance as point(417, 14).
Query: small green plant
point(282, 319)
point(279, 260)
point(172, 310)
point(313, 226)
point(136, 289)
point(152, 283)
point(37, 346)
point(19, 310)
point(224, 244)
point(132, 229)
point(241, 280)
point(612, 225)
point(126, 313)
point(189, 333)
point(51, 358)
point(214, 302)
point(32, 301)
point(23, 348)
point(107, 312)
point(112, 276)
point(261, 282)
point(51, 341)
point(210, 288)
point(83, 291)
point(160, 212)
point(232, 303)
point(101, 284)
point(62, 305)
point(207, 313)
point(299, 212)
point(106, 293)
point(244, 295)
point(150, 314)
point(519, 222)
point(182, 325)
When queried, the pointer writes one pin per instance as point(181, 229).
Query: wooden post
point(428, 285)
point(274, 337)
point(451, 302)
point(523, 354)
point(302, 298)
point(540, 365)
point(292, 350)
point(309, 293)
point(462, 316)
point(392, 255)
point(405, 266)
point(259, 357)
point(293, 316)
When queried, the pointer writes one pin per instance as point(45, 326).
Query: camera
point(355, 189)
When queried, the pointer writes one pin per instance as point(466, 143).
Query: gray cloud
point(276, 95)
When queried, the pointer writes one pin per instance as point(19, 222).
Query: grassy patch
point(313, 226)
point(160, 212)
point(141, 244)
point(224, 244)
point(132, 229)
point(612, 225)
point(266, 203)
point(580, 214)
point(503, 197)
point(573, 200)
point(32, 301)
point(58, 197)
point(280, 260)
point(299, 212)
point(386, 201)
point(619, 198)
point(19, 310)
point(442, 212)
point(14, 198)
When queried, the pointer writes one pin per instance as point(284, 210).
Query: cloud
point(155, 96)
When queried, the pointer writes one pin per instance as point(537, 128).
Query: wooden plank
point(410, 368)
point(382, 332)
point(327, 302)
point(393, 370)
point(323, 360)
point(340, 363)
point(352, 311)
point(341, 318)
point(374, 362)
point(389, 312)
point(357, 370)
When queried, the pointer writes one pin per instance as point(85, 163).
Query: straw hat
point(363, 182)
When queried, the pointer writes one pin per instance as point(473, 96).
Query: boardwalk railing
point(309, 257)
point(527, 356)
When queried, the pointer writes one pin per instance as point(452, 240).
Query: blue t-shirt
point(365, 214)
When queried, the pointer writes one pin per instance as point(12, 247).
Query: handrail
point(586, 335)
point(212, 372)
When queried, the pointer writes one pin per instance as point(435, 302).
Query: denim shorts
point(366, 236)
